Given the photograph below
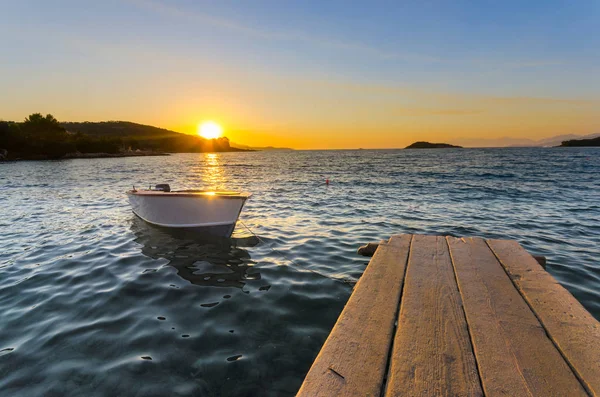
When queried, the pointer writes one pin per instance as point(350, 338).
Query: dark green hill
point(119, 129)
point(428, 145)
point(44, 137)
point(146, 137)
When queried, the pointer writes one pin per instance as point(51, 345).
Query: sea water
point(95, 302)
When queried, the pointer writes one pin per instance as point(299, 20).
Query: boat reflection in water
point(200, 259)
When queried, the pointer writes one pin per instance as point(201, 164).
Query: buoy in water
point(327, 182)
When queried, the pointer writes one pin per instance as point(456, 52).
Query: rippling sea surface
point(95, 302)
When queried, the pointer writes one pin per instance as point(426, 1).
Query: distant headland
point(428, 145)
point(44, 137)
point(581, 142)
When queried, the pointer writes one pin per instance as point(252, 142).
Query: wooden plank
point(571, 327)
point(514, 355)
point(397, 240)
point(354, 358)
point(432, 353)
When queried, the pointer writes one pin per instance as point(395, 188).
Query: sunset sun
point(209, 130)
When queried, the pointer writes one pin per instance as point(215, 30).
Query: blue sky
point(261, 67)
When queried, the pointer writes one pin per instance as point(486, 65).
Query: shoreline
point(71, 156)
point(110, 155)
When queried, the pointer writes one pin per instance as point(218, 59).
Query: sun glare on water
point(210, 130)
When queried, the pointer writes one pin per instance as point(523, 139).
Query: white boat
point(213, 212)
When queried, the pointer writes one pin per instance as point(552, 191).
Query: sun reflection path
point(213, 175)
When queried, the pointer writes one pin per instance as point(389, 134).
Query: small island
point(593, 142)
point(429, 145)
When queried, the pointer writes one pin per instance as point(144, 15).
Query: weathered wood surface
point(432, 354)
point(514, 355)
point(474, 317)
point(354, 358)
point(572, 328)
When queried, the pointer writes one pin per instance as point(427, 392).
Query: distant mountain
point(428, 145)
point(260, 148)
point(496, 142)
point(519, 142)
point(582, 142)
point(558, 140)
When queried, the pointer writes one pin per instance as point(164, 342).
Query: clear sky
point(308, 74)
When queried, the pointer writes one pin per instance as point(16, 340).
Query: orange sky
point(309, 75)
point(313, 115)
point(316, 114)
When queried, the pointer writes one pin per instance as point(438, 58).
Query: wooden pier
point(445, 316)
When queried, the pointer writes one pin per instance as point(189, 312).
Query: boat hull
point(212, 214)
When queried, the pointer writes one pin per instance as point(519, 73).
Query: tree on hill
point(37, 120)
point(45, 136)
point(10, 136)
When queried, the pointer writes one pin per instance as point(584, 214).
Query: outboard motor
point(164, 187)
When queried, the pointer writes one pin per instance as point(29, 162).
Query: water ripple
point(95, 302)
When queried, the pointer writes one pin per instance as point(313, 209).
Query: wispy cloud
point(205, 19)
point(514, 64)
point(436, 112)
point(235, 26)
point(516, 100)
point(416, 94)
point(366, 50)
point(532, 64)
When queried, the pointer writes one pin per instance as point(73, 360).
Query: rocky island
point(428, 145)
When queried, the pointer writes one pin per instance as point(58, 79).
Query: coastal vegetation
point(44, 137)
point(428, 145)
